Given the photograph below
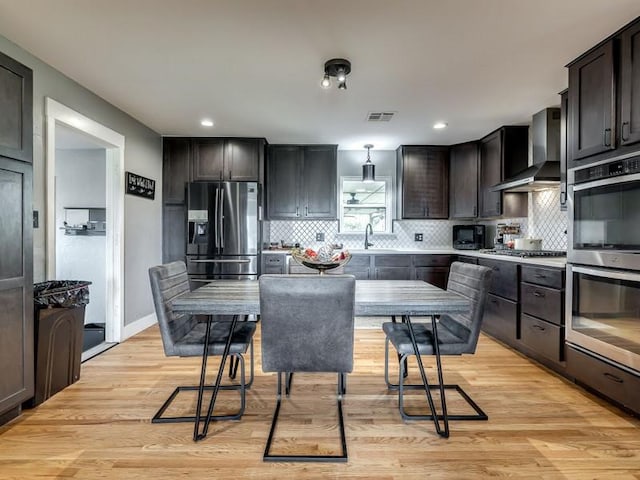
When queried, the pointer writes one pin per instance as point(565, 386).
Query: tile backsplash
point(545, 221)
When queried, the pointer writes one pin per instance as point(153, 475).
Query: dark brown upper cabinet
point(604, 99)
point(422, 182)
point(16, 117)
point(229, 159)
point(630, 85)
point(301, 182)
point(564, 113)
point(175, 169)
point(503, 153)
point(463, 185)
point(592, 103)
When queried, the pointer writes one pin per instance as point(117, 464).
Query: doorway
point(85, 189)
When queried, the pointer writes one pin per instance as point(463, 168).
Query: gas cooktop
point(526, 253)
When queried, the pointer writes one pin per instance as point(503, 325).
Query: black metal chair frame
point(444, 417)
point(269, 457)
point(198, 418)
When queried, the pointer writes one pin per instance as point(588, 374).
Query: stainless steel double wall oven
point(603, 270)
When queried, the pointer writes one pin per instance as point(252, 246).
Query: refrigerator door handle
point(215, 219)
point(221, 219)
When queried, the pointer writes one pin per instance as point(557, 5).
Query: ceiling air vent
point(380, 116)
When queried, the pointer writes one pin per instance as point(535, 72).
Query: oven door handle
point(605, 273)
point(607, 181)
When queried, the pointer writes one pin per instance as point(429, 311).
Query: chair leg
point(343, 457)
point(443, 432)
point(480, 414)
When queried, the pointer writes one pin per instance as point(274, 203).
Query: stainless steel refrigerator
point(223, 231)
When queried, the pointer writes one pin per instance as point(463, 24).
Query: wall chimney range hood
point(545, 171)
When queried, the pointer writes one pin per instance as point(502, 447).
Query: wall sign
point(140, 186)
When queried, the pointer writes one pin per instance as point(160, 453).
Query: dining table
point(387, 298)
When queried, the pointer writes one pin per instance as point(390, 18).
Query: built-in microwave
point(468, 237)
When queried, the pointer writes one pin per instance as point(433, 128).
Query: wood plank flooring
point(540, 426)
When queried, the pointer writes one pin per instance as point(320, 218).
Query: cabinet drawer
point(359, 261)
point(542, 302)
point(431, 260)
point(465, 259)
point(501, 319)
point(504, 281)
point(545, 338)
point(392, 260)
point(543, 276)
point(393, 273)
point(610, 381)
point(269, 259)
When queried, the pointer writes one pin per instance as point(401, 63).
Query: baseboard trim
point(139, 325)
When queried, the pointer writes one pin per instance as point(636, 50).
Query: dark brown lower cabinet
point(543, 337)
point(437, 276)
point(59, 334)
point(359, 266)
point(608, 380)
point(501, 319)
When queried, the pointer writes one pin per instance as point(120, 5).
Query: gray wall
point(143, 155)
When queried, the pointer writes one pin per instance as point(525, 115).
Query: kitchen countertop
point(557, 262)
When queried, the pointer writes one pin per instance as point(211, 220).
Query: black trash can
point(59, 325)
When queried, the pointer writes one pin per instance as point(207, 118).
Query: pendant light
point(368, 169)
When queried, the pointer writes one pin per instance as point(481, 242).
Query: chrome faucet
point(368, 231)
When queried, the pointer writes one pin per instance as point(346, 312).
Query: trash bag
point(61, 294)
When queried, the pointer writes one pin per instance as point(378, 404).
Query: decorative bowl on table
point(323, 259)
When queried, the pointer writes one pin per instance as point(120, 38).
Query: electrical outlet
point(320, 237)
point(417, 237)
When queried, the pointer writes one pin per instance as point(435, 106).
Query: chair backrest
point(472, 282)
point(167, 282)
point(307, 323)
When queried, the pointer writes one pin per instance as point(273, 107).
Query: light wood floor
point(540, 426)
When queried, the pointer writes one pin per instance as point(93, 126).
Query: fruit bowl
point(319, 261)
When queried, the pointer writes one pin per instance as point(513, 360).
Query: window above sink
point(362, 203)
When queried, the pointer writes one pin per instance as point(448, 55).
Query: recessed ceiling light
point(206, 123)
point(440, 125)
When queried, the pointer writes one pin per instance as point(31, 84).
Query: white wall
point(143, 155)
point(81, 182)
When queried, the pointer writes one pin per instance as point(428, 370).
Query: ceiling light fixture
point(206, 123)
point(368, 169)
point(440, 125)
point(338, 68)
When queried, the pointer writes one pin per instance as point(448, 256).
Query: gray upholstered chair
point(307, 326)
point(456, 334)
point(184, 336)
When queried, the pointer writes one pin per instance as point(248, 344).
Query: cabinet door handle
point(607, 137)
point(297, 211)
point(498, 206)
point(538, 294)
point(538, 327)
point(475, 211)
point(306, 210)
point(613, 377)
point(230, 176)
point(540, 275)
point(625, 137)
